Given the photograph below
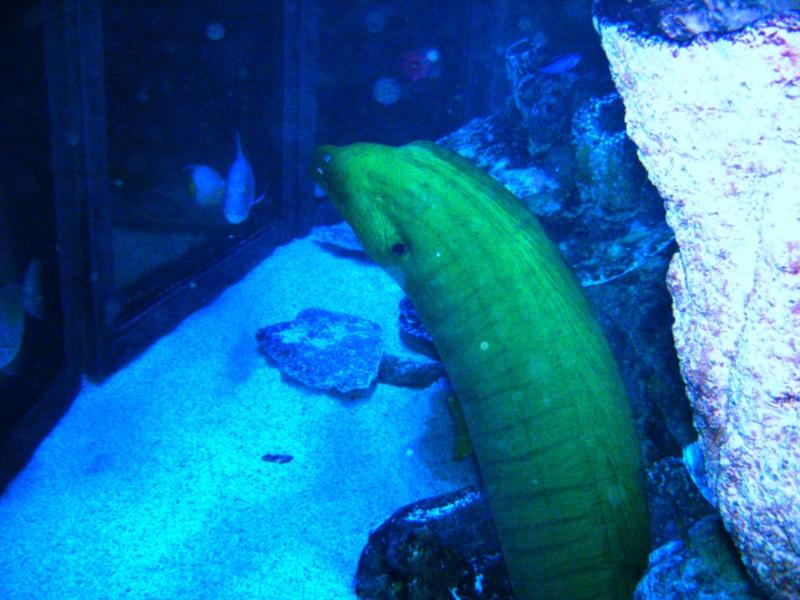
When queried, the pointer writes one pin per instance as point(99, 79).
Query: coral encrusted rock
point(703, 564)
point(716, 119)
point(441, 547)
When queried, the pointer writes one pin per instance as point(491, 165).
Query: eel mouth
point(321, 165)
point(332, 169)
point(327, 176)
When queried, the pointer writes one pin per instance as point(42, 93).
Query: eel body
point(543, 399)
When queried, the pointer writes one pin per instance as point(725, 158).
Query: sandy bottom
point(153, 486)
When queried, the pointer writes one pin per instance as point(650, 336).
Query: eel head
point(362, 182)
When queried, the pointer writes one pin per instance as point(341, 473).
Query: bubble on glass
point(386, 91)
point(215, 31)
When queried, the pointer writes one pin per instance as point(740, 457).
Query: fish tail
point(262, 196)
point(239, 151)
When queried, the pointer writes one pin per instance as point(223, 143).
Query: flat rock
point(339, 237)
point(325, 350)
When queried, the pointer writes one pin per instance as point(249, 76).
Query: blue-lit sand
point(152, 486)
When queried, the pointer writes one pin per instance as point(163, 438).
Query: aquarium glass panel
point(391, 71)
point(31, 339)
point(186, 84)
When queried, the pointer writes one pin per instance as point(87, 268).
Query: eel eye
point(399, 249)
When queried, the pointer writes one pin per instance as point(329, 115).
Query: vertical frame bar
point(74, 71)
point(300, 110)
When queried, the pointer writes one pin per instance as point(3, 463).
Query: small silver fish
point(240, 191)
point(560, 64)
point(696, 466)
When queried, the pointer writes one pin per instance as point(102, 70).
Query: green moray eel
point(541, 393)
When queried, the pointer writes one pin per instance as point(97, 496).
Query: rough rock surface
point(442, 547)
point(325, 350)
point(717, 123)
point(413, 332)
point(447, 547)
point(545, 100)
point(674, 502)
point(704, 565)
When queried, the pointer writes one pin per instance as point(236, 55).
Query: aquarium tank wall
point(39, 374)
point(396, 299)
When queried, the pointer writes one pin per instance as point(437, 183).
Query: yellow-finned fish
point(206, 186)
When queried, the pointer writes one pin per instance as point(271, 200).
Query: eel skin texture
point(543, 399)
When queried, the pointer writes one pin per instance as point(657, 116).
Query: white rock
point(717, 124)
